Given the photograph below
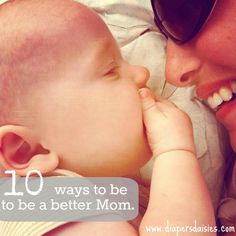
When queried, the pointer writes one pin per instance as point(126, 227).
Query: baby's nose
point(141, 76)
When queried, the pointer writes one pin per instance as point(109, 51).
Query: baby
point(65, 89)
point(69, 100)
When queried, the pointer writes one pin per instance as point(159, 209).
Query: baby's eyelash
point(114, 70)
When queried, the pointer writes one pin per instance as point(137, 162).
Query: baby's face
point(91, 113)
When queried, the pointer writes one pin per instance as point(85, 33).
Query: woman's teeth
point(225, 94)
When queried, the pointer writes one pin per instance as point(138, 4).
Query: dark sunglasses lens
point(181, 18)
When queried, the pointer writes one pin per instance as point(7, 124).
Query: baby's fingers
point(152, 115)
point(149, 107)
point(160, 99)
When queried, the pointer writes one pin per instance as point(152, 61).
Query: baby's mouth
point(221, 97)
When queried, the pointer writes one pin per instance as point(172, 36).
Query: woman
point(201, 51)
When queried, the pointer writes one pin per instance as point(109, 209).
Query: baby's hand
point(167, 127)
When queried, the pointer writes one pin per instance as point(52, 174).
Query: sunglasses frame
point(205, 15)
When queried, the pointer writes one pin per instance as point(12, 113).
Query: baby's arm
point(95, 229)
point(178, 192)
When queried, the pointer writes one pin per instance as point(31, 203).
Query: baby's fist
point(168, 128)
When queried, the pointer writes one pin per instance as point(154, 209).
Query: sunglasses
point(181, 20)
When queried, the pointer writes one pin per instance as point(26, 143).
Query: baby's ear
point(20, 151)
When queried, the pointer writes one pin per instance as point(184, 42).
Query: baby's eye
point(113, 72)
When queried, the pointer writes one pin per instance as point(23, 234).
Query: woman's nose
point(181, 64)
point(140, 75)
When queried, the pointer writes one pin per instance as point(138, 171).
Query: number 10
point(13, 189)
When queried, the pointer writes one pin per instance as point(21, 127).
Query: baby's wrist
point(176, 152)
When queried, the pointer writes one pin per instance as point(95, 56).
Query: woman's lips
point(218, 94)
point(226, 109)
point(207, 89)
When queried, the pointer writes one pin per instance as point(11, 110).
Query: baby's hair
point(29, 29)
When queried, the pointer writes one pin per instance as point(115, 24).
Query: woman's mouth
point(222, 97)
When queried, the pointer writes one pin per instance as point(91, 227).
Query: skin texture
point(79, 97)
point(209, 59)
point(82, 103)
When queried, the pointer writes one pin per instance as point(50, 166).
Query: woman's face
point(209, 62)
